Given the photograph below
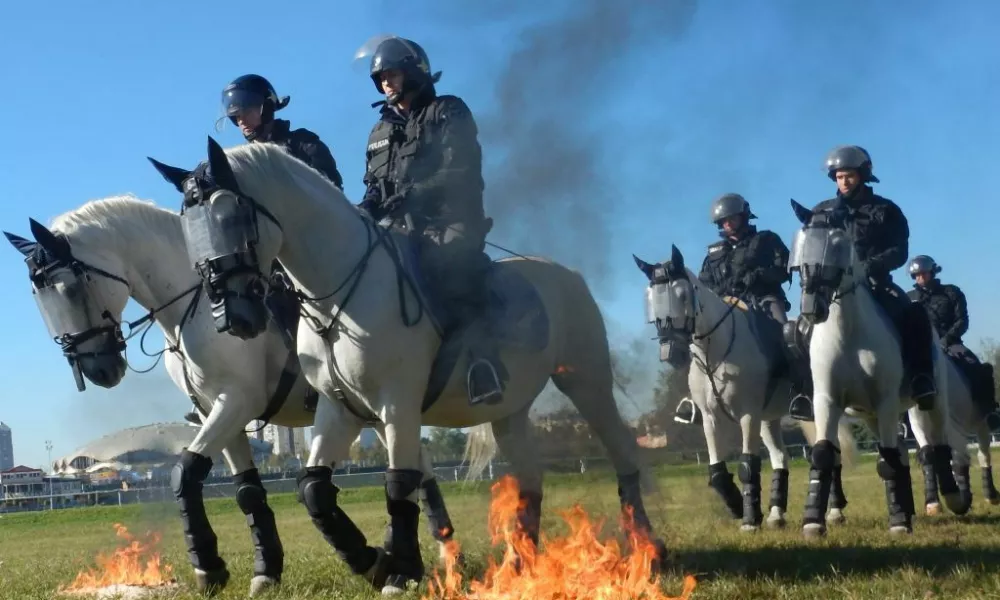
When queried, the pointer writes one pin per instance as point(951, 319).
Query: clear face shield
point(822, 256)
point(666, 308)
point(221, 235)
point(237, 103)
point(66, 306)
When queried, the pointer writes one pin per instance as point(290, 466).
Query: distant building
point(286, 441)
point(368, 438)
point(20, 481)
point(6, 447)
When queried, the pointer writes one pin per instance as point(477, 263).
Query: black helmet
point(727, 205)
point(393, 52)
point(248, 91)
point(850, 157)
point(923, 264)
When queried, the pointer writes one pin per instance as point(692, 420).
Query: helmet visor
point(236, 101)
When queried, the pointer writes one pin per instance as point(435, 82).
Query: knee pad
point(251, 496)
point(718, 476)
point(190, 470)
point(749, 466)
point(824, 455)
point(316, 490)
point(890, 463)
point(400, 483)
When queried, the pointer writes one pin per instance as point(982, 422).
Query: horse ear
point(174, 175)
point(644, 266)
point(803, 214)
point(22, 245)
point(50, 242)
point(222, 173)
point(676, 258)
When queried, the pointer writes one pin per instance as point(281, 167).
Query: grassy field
point(946, 557)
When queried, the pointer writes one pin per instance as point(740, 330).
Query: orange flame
point(576, 567)
point(136, 563)
point(563, 369)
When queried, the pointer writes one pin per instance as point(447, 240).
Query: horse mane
point(260, 166)
point(116, 217)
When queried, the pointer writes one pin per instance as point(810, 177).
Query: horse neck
point(150, 244)
point(714, 321)
point(325, 236)
point(853, 307)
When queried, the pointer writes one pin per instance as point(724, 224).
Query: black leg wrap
point(319, 495)
point(964, 483)
point(779, 490)
point(186, 480)
point(925, 456)
point(436, 512)
point(750, 478)
point(838, 499)
point(898, 487)
point(989, 490)
point(401, 537)
point(268, 556)
point(529, 514)
point(630, 497)
point(942, 467)
point(822, 459)
point(721, 480)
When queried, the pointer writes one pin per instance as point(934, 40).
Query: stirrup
point(687, 412)
point(904, 431)
point(491, 396)
point(925, 401)
point(801, 408)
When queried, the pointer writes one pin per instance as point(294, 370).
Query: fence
point(163, 493)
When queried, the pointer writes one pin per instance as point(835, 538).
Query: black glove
point(749, 280)
point(392, 204)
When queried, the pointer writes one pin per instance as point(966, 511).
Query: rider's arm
point(461, 155)
point(319, 157)
point(961, 323)
point(706, 275)
point(773, 266)
point(896, 241)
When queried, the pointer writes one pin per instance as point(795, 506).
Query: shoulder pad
point(448, 106)
point(304, 135)
point(952, 288)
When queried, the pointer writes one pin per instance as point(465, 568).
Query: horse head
point(823, 254)
point(670, 306)
point(228, 243)
point(81, 296)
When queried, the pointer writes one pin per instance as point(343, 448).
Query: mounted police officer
point(949, 313)
point(749, 264)
point(881, 237)
point(250, 103)
point(424, 172)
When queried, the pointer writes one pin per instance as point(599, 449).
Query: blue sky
point(632, 120)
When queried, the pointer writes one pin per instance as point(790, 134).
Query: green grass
point(946, 557)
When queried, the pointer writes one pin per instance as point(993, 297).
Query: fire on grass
point(132, 570)
point(575, 567)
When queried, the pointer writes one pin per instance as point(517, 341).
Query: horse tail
point(480, 449)
point(845, 438)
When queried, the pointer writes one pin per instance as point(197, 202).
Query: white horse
point(84, 270)
point(857, 368)
point(734, 356)
point(969, 419)
point(359, 342)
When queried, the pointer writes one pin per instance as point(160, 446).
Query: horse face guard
point(64, 290)
point(668, 308)
point(221, 230)
point(822, 254)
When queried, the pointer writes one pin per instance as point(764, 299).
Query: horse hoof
point(749, 528)
point(836, 517)
point(261, 583)
point(933, 509)
point(813, 530)
point(993, 500)
point(776, 522)
point(211, 582)
point(376, 574)
point(398, 584)
point(957, 503)
point(896, 530)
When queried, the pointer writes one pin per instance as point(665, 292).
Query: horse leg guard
point(942, 466)
point(838, 499)
point(634, 512)
point(779, 490)
point(749, 473)
point(822, 459)
point(436, 512)
point(721, 480)
point(186, 480)
point(529, 515)
point(925, 456)
point(964, 488)
point(989, 490)
point(401, 538)
point(898, 489)
point(268, 554)
point(318, 494)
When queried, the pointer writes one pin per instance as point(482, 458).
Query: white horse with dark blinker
point(733, 358)
point(83, 272)
point(363, 341)
point(857, 368)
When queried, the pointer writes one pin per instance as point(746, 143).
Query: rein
point(703, 365)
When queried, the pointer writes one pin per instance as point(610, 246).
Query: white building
point(6, 447)
point(286, 441)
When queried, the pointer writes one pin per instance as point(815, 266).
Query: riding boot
point(801, 408)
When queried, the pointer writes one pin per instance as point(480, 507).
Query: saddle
point(285, 313)
point(978, 378)
point(768, 333)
